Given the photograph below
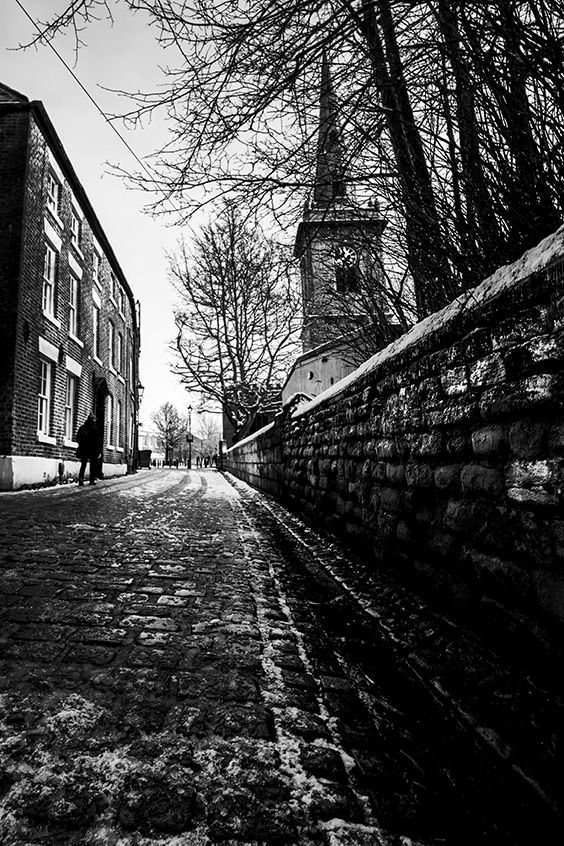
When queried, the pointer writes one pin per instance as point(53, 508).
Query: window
point(111, 425)
point(44, 397)
point(76, 229)
point(347, 278)
point(111, 334)
point(96, 331)
point(113, 287)
point(119, 424)
point(96, 268)
point(73, 306)
point(70, 406)
point(53, 193)
point(121, 300)
point(49, 280)
point(119, 353)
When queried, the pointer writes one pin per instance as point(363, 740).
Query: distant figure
point(206, 461)
point(214, 459)
point(89, 448)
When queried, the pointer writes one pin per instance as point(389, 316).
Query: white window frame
point(96, 331)
point(111, 343)
point(71, 394)
point(119, 353)
point(110, 422)
point(44, 397)
point(119, 425)
point(96, 261)
point(74, 290)
point(50, 280)
point(53, 193)
point(75, 229)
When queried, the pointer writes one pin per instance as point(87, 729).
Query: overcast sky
point(124, 57)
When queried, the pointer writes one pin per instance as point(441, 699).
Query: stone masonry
point(441, 459)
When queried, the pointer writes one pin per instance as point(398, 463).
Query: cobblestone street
point(185, 663)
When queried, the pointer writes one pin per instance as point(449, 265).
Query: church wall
point(442, 458)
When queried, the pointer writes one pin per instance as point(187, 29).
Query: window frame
point(74, 299)
point(96, 314)
point(111, 343)
point(110, 422)
point(53, 196)
point(71, 396)
point(75, 229)
point(50, 273)
point(44, 398)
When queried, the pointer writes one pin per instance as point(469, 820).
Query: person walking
point(89, 448)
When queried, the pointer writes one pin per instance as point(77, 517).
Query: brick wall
point(442, 458)
point(29, 153)
point(13, 154)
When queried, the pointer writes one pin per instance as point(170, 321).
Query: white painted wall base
point(22, 471)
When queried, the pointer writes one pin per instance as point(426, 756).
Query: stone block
point(428, 445)
point(516, 398)
point(453, 413)
point(454, 382)
point(395, 474)
point(482, 481)
point(529, 474)
point(489, 441)
point(487, 371)
point(541, 354)
point(386, 448)
point(459, 445)
point(527, 438)
point(390, 499)
point(418, 475)
point(532, 496)
point(477, 344)
point(527, 324)
point(447, 477)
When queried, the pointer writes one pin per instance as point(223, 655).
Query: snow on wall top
point(550, 250)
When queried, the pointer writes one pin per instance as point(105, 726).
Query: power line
point(95, 104)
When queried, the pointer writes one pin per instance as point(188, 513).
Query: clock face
point(346, 255)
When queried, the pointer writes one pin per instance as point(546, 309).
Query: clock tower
point(338, 242)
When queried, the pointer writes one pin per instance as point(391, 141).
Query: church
point(339, 246)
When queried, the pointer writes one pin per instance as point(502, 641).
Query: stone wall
point(442, 458)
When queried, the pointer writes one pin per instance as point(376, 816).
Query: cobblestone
point(185, 664)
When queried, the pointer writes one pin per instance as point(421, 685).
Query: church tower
point(338, 243)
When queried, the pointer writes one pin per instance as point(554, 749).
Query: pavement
point(185, 663)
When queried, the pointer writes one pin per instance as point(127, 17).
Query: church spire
point(329, 174)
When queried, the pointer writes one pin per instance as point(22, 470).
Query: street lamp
point(189, 437)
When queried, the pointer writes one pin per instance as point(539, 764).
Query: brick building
point(69, 333)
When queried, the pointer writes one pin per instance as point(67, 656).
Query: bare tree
point(171, 428)
point(453, 112)
point(238, 315)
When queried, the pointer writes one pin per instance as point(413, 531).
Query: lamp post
point(139, 398)
point(189, 437)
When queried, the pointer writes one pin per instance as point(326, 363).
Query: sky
point(125, 57)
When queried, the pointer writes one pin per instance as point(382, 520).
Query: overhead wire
point(96, 105)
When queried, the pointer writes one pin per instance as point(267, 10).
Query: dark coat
point(89, 441)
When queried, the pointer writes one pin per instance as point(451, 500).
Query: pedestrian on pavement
point(89, 448)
